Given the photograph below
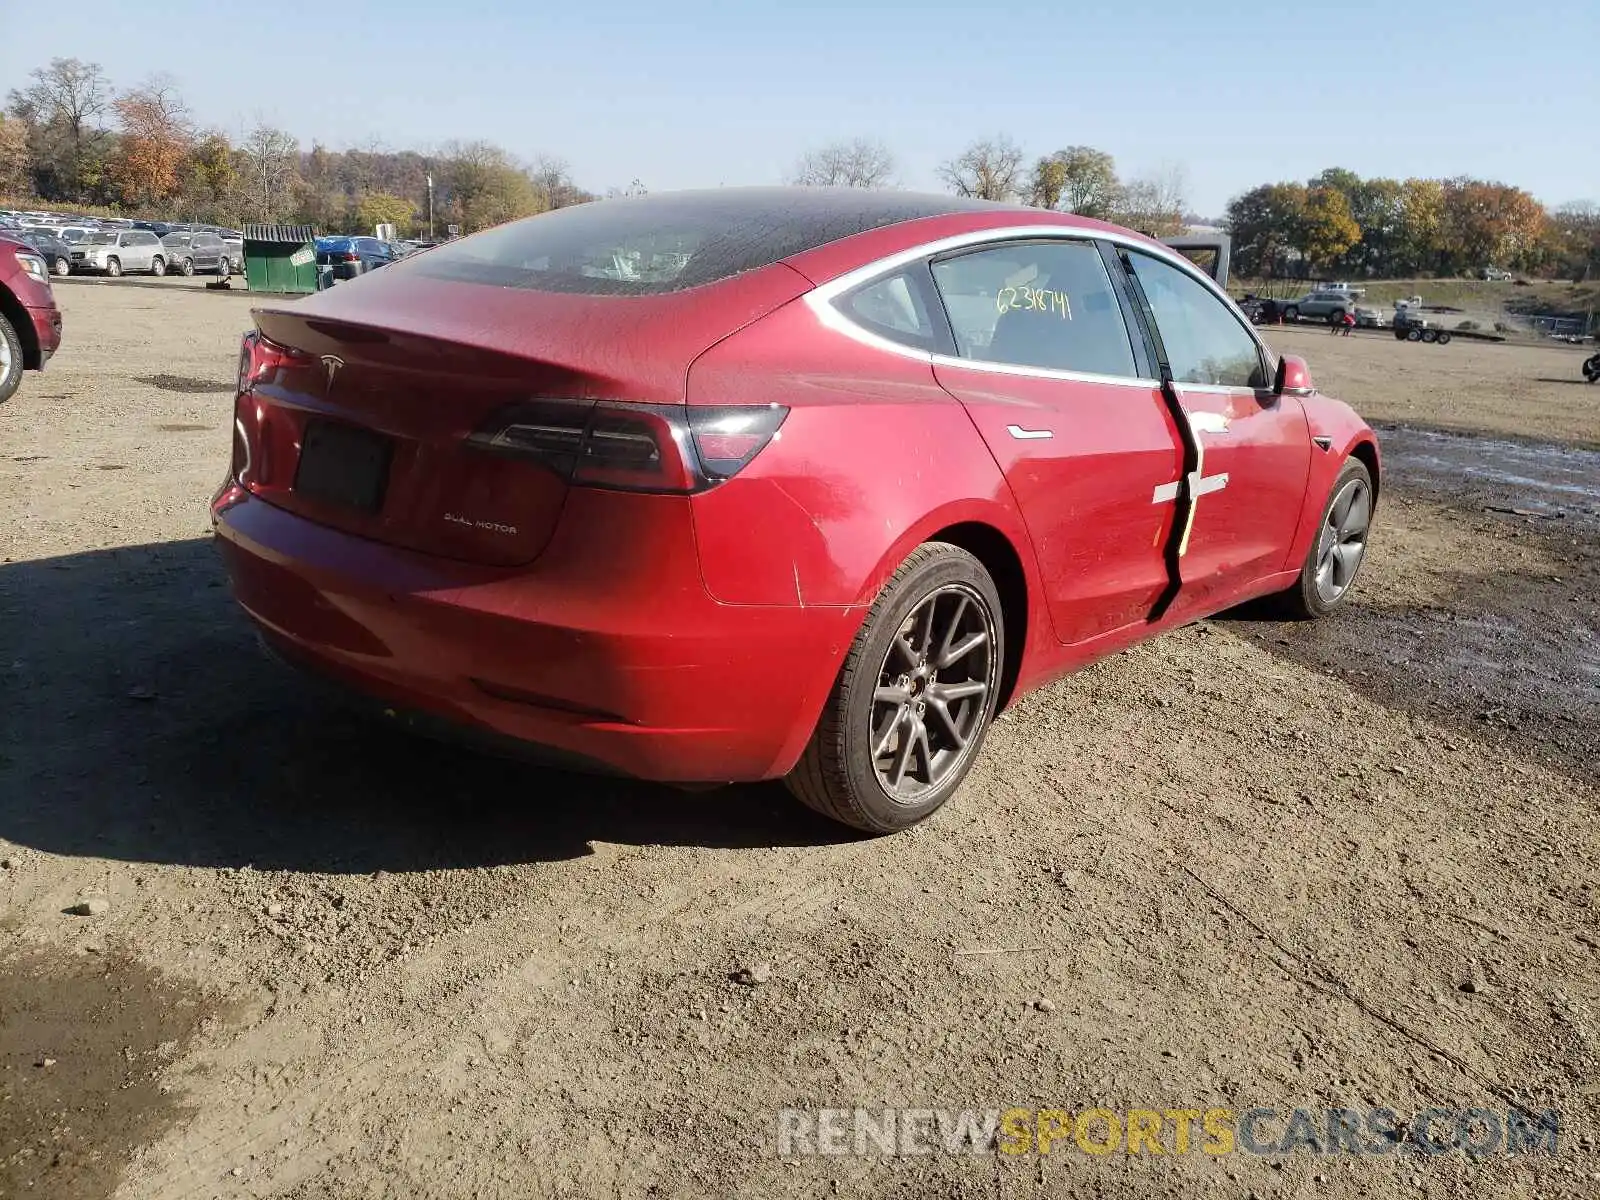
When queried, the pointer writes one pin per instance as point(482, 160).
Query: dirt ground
point(1253, 864)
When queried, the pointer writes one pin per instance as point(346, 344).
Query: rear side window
point(1037, 304)
point(892, 307)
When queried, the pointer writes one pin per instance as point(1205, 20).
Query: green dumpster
point(280, 258)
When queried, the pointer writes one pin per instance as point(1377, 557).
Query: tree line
point(71, 139)
point(1338, 223)
point(1076, 179)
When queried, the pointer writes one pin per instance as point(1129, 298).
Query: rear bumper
point(47, 328)
point(609, 652)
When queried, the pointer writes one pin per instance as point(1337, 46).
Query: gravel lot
point(1253, 864)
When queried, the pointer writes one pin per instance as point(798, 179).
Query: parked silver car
point(1328, 306)
point(118, 251)
point(234, 241)
point(190, 252)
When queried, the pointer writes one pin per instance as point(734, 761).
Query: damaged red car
point(772, 483)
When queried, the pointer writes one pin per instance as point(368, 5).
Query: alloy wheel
point(1343, 541)
point(932, 692)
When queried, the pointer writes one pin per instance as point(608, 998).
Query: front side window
point(1036, 304)
point(1205, 342)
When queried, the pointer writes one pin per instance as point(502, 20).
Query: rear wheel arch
point(1000, 558)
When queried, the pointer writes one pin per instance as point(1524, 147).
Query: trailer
point(1411, 326)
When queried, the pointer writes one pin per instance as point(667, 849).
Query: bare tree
point(65, 104)
point(990, 169)
point(1155, 203)
point(859, 163)
point(552, 179)
point(271, 155)
point(636, 188)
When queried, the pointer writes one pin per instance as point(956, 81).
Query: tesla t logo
point(331, 364)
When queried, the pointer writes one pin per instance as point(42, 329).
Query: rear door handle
point(1028, 435)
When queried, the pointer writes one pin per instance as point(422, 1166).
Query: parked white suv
point(118, 251)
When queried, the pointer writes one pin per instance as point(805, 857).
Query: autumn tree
point(380, 208)
point(1264, 225)
point(484, 187)
point(15, 160)
point(323, 199)
point(1078, 179)
point(1376, 207)
point(990, 169)
point(1487, 224)
point(63, 108)
point(1573, 240)
point(156, 136)
point(1327, 230)
point(1421, 218)
point(858, 163)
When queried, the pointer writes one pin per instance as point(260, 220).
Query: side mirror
point(1294, 377)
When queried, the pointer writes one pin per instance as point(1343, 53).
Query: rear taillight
point(260, 358)
point(350, 256)
point(633, 447)
point(260, 361)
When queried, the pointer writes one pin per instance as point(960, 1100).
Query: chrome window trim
point(821, 300)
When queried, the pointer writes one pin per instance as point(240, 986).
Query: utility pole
point(430, 206)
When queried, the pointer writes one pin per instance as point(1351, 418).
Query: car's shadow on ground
point(140, 721)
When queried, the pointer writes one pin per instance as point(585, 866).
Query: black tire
point(158, 266)
point(10, 360)
point(1336, 317)
point(1430, 335)
point(1413, 335)
point(1304, 600)
point(1399, 334)
point(837, 774)
point(225, 267)
point(1444, 337)
point(114, 267)
point(62, 266)
point(1292, 313)
point(187, 267)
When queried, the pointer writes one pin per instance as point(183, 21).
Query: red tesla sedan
point(750, 484)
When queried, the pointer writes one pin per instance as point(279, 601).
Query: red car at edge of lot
point(30, 322)
point(772, 483)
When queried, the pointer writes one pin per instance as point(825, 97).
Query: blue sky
point(695, 93)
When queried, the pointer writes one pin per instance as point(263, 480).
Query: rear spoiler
point(1208, 251)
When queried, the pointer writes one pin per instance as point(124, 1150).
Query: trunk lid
point(364, 427)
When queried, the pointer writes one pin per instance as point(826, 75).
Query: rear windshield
point(656, 244)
